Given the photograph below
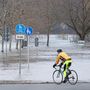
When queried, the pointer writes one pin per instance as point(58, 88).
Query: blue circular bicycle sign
point(20, 29)
point(29, 30)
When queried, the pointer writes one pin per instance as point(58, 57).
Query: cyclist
point(66, 61)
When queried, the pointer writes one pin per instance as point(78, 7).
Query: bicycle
point(58, 76)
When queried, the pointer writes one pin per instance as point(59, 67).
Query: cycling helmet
point(59, 50)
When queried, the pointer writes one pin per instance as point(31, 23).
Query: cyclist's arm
point(58, 59)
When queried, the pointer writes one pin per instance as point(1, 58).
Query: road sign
point(20, 29)
point(29, 30)
point(20, 37)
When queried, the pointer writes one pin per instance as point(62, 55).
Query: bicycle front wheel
point(73, 77)
point(57, 77)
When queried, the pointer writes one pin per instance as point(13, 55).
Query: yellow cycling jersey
point(63, 56)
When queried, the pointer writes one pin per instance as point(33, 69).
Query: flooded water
point(42, 52)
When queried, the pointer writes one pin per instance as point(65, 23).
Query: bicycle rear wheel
point(57, 77)
point(73, 77)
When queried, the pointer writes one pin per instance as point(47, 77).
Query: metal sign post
point(20, 59)
point(28, 32)
point(28, 52)
point(20, 35)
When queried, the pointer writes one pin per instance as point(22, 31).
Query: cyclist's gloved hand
point(54, 65)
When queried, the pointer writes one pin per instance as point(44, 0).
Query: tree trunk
point(82, 37)
point(48, 39)
point(10, 44)
point(3, 36)
point(2, 44)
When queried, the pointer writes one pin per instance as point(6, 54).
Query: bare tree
point(79, 16)
point(2, 20)
point(51, 15)
point(6, 20)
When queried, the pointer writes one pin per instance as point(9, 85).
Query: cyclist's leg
point(64, 73)
point(67, 64)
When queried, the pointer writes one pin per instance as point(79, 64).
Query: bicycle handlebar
point(59, 67)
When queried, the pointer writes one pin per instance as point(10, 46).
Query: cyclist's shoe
point(65, 80)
